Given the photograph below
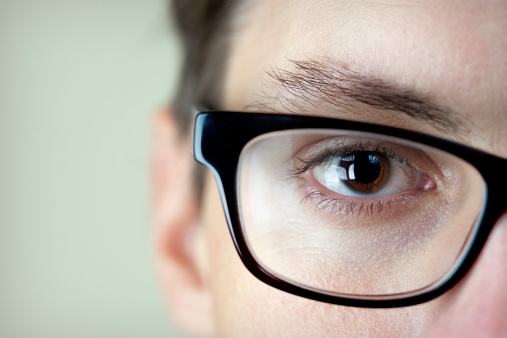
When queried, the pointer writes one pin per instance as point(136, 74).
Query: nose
point(477, 306)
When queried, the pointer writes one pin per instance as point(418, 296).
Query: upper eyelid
point(327, 154)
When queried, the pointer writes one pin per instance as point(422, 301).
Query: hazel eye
point(365, 173)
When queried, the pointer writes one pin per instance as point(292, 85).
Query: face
point(451, 53)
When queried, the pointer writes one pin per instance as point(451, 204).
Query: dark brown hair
point(203, 26)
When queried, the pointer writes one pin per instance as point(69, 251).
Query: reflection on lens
point(356, 213)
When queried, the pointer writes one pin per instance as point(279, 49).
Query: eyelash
point(351, 208)
point(329, 154)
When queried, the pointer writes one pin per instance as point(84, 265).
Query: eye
point(368, 174)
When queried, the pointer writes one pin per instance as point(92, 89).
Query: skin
point(452, 51)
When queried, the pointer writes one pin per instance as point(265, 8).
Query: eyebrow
point(340, 88)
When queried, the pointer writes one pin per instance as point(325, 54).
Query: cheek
point(244, 306)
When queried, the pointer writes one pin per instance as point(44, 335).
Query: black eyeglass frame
point(220, 136)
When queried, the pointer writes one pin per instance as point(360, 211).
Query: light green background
point(78, 82)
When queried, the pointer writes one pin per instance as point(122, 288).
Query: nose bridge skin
point(477, 306)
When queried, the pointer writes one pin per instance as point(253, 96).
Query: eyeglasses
point(350, 213)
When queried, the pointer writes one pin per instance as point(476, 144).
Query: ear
point(177, 235)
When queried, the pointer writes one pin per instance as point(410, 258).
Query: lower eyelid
point(323, 199)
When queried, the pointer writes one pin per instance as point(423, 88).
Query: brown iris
point(364, 171)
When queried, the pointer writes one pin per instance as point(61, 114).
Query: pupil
point(362, 167)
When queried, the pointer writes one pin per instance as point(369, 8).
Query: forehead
point(453, 51)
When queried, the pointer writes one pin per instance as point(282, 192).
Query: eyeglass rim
point(220, 136)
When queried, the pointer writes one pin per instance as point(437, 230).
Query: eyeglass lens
point(356, 213)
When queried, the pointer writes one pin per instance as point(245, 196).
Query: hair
point(203, 26)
